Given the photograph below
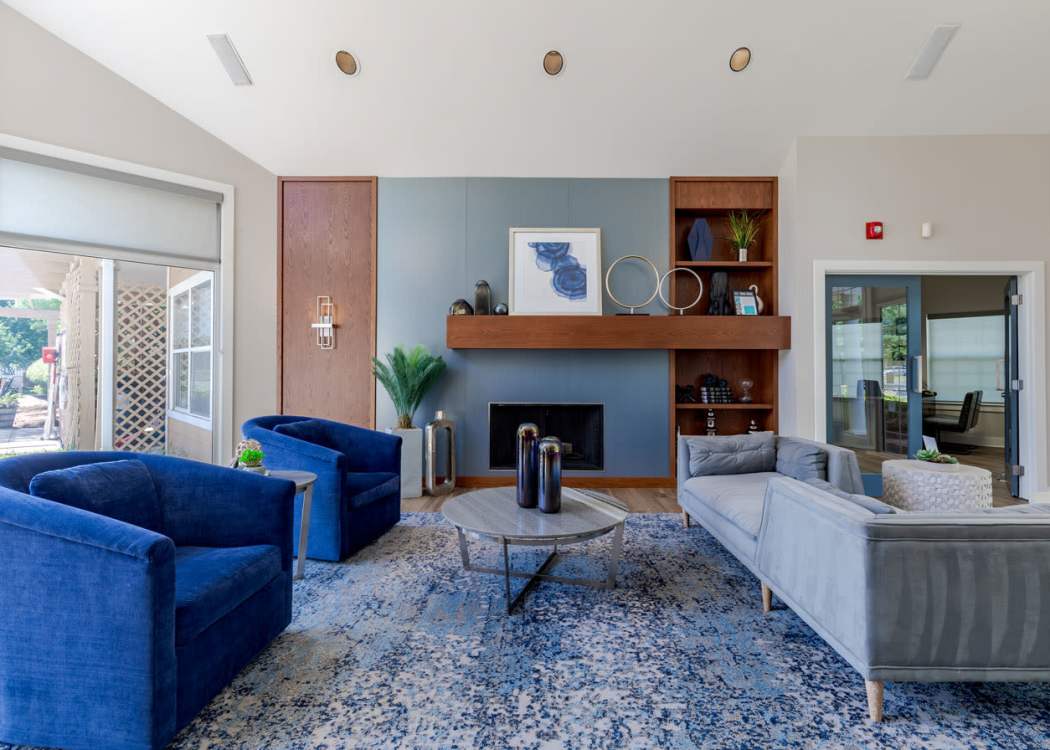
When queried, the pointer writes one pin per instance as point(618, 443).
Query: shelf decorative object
point(482, 298)
point(699, 291)
point(752, 427)
point(745, 302)
point(758, 300)
point(250, 456)
point(460, 307)
point(633, 307)
point(500, 309)
point(712, 427)
point(701, 241)
point(719, 300)
point(743, 230)
point(746, 385)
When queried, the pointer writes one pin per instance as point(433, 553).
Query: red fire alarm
point(873, 230)
point(49, 354)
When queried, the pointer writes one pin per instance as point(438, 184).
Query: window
point(191, 332)
point(966, 353)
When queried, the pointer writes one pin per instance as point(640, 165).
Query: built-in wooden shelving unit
point(728, 346)
point(713, 198)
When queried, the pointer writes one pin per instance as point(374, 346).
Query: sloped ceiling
point(456, 87)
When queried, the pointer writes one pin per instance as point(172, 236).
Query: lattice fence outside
point(140, 373)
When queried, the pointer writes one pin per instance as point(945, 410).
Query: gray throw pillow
point(868, 503)
point(802, 461)
point(731, 454)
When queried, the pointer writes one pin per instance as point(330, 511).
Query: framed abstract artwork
point(555, 271)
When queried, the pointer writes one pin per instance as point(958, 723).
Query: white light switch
point(927, 230)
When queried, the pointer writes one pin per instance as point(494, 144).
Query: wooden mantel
point(617, 332)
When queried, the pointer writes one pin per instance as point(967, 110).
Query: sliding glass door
point(874, 369)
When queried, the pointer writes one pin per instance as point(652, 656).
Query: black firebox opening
point(578, 426)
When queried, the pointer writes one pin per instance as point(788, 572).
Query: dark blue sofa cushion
point(210, 582)
point(122, 490)
point(308, 430)
point(365, 487)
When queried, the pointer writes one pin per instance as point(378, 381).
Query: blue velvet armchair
point(113, 635)
point(357, 497)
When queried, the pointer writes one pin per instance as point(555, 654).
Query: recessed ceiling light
point(931, 51)
point(230, 59)
point(347, 63)
point(553, 63)
point(740, 59)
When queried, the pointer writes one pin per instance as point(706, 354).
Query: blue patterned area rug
point(400, 648)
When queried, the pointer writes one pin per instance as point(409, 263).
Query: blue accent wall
point(438, 236)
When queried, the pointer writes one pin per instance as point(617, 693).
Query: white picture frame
point(573, 286)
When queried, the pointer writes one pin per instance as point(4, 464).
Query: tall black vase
point(549, 451)
point(482, 298)
point(528, 438)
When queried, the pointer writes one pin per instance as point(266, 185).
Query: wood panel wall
point(327, 246)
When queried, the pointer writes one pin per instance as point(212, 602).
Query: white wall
point(50, 92)
point(987, 196)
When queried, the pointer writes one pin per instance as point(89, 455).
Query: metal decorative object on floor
point(921, 485)
point(549, 485)
point(430, 439)
point(528, 438)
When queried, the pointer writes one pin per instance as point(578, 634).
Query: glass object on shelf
point(746, 385)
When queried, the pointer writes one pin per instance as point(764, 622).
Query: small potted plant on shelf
point(250, 456)
point(936, 457)
point(743, 229)
point(407, 376)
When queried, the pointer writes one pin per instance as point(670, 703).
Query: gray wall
point(438, 236)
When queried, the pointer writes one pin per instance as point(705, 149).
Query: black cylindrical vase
point(549, 451)
point(528, 438)
point(482, 298)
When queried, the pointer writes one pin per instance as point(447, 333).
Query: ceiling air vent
point(931, 51)
point(230, 59)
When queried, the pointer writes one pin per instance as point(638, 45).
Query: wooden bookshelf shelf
point(727, 407)
point(712, 199)
point(724, 264)
point(761, 332)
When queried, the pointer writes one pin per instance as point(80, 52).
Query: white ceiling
point(456, 87)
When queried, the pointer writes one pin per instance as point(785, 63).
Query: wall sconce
point(325, 325)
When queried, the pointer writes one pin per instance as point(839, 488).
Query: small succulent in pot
point(935, 457)
point(250, 455)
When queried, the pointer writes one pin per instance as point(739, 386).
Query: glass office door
point(874, 369)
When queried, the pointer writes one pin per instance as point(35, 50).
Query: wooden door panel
point(328, 248)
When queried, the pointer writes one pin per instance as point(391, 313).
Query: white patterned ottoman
point(921, 485)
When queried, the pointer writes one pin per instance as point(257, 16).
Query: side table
point(304, 483)
point(922, 485)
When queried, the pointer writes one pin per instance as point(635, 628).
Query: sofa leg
point(685, 518)
point(874, 689)
point(767, 599)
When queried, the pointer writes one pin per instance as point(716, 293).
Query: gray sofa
point(909, 597)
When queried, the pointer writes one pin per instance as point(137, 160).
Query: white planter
point(411, 461)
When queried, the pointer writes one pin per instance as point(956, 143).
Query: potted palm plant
point(407, 376)
point(743, 229)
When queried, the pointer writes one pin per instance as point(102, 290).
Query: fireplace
point(579, 426)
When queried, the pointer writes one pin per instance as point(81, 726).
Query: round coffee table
point(922, 485)
point(494, 515)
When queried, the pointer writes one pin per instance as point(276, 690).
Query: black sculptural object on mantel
point(528, 438)
point(460, 307)
point(482, 298)
point(549, 485)
point(721, 304)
